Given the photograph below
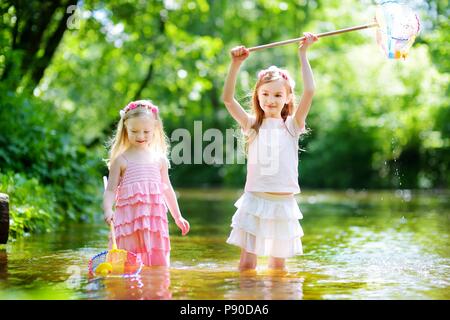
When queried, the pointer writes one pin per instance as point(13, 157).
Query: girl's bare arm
point(110, 191)
point(308, 82)
point(238, 54)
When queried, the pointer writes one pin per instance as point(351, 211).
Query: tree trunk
point(144, 83)
point(4, 218)
point(29, 37)
point(43, 62)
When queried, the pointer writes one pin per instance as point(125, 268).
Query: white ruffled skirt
point(267, 225)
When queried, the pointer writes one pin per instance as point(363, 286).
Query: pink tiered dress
point(141, 224)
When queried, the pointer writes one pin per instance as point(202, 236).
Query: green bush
point(32, 205)
point(36, 141)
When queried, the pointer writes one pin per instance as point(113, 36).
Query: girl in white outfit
point(266, 221)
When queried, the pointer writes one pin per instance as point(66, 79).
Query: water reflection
point(153, 283)
point(267, 285)
point(357, 246)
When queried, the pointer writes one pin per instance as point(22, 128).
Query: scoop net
point(100, 265)
point(397, 29)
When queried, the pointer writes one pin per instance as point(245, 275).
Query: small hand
point(109, 217)
point(183, 224)
point(305, 43)
point(239, 54)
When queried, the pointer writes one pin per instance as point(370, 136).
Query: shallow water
point(358, 245)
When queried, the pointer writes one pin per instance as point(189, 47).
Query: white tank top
point(272, 162)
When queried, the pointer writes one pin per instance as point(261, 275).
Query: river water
point(357, 245)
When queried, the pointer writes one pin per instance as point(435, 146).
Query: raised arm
point(308, 81)
point(172, 203)
point(238, 55)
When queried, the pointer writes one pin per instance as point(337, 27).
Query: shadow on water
point(358, 245)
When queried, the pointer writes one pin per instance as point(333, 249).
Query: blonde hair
point(270, 74)
point(159, 143)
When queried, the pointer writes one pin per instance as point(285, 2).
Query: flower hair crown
point(276, 70)
point(139, 104)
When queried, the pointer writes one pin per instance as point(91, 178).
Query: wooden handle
point(113, 236)
point(105, 182)
point(320, 35)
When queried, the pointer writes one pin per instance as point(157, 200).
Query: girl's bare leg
point(277, 263)
point(248, 260)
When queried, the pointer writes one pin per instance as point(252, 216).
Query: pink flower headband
point(263, 73)
point(282, 73)
point(139, 104)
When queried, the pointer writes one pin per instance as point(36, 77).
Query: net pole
point(320, 35)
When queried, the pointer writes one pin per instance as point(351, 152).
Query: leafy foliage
point(32, 205)
point(374, 123)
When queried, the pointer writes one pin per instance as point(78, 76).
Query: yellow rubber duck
point(104, 269)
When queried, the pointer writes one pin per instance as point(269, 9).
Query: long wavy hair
point(159, 143)
point(270, 74)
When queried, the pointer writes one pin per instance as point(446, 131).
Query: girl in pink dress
point(140, 187)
